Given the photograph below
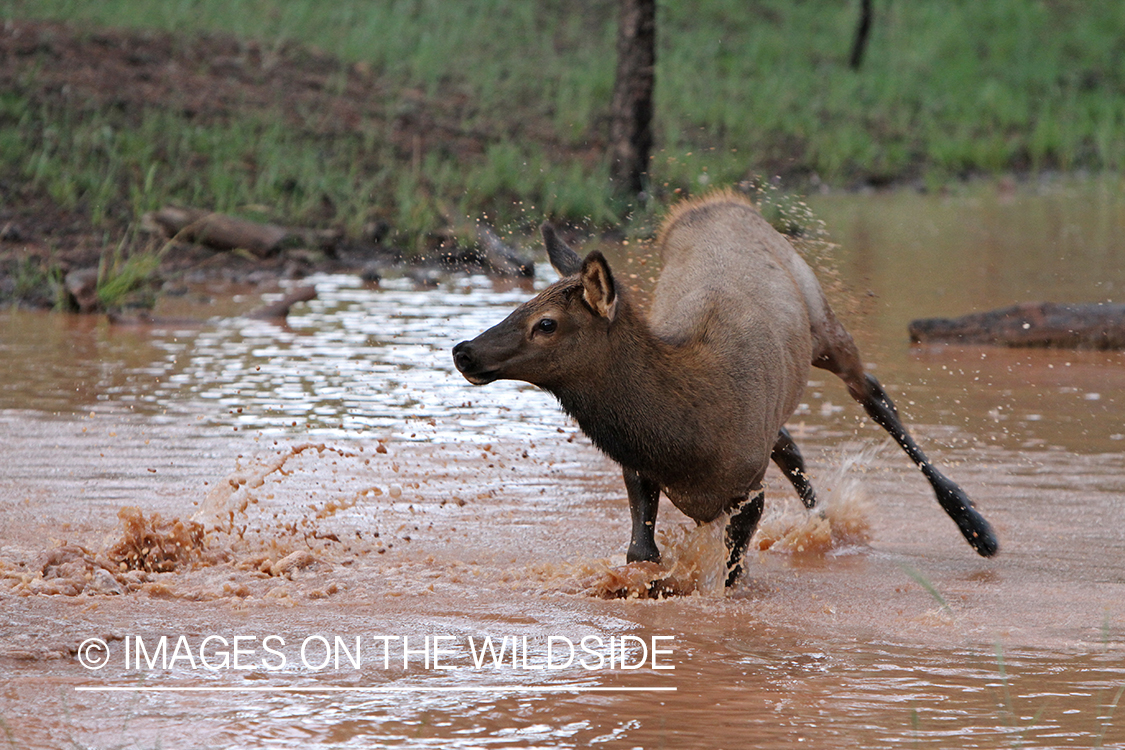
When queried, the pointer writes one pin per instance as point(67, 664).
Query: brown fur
point(680, 210)
point(692, 399)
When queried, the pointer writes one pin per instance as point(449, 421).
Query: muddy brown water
point(276, 490)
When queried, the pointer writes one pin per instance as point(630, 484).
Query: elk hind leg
point(743, 521)
point(792, 464)
point(842, 359)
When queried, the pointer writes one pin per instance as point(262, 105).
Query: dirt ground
point(208, 78)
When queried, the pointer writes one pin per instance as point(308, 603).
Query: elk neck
point(643, 401)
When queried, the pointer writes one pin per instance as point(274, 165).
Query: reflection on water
point(356, 361)
point(353, 484)
point(943, 256)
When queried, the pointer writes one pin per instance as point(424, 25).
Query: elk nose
point(462, 359)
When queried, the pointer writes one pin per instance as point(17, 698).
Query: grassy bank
point(500, 106)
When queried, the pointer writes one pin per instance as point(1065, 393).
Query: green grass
point(925, 583)
point(29, 278)
point(1007, 707)
point(126, 278)
point(1107, 718)
point(949, 89)
point(31, 282)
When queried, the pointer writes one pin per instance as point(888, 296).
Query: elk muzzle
point(468, 364)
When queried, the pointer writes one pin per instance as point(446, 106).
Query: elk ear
point(563, 259)
point(598, 288)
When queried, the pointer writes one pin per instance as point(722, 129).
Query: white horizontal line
point(342, 689)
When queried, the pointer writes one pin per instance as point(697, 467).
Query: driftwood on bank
point(223, 232)
point(501, 259)
point(1032, 324)
point(276, 312)
point(220, 231)
point(280, 309)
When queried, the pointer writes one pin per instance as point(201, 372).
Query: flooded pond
point(302, 535)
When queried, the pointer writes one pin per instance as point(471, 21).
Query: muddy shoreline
point(213, 79)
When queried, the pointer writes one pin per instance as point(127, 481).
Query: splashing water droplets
point(841, 519)
point(694, 559)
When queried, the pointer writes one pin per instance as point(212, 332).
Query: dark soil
point(207, 78)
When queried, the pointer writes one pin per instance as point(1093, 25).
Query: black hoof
point(973, 526)
point(642, 553)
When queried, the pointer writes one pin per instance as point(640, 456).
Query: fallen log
point(500, 258)
point(1030, 324)
point(276, 312)
point(280, 309)
point(219, 231)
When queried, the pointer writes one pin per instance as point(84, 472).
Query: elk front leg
point(788, 458)
point(644, 499)
point(743, 521)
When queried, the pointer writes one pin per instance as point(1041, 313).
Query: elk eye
point(546, 325)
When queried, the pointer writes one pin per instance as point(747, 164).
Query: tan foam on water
point(250, 535)
point(842, 517)
point(693, 559)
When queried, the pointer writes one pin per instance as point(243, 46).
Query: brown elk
point(692, 399)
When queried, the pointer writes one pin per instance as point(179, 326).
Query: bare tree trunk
point(630, 131)
point(862, 32)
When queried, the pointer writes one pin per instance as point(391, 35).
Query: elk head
point(558, 335)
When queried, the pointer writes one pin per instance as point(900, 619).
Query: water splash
point(841, 519)
point(693, 562)
point(697, 556)
point(253, 531)
point(694, 558)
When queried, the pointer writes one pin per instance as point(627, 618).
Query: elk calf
point(692, 399)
